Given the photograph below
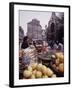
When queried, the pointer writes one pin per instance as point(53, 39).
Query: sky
point(27, 16)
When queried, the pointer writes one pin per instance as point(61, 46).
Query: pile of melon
point(59, 62)
point(37, 71)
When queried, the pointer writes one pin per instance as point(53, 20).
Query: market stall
point(40, 62)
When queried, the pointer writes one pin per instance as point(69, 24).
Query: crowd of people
point(51, 44)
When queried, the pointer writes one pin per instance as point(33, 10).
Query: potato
point(34, 66)
point(38, 74)
point(61, 67)
point(39, 67)
point(27, 73)
point(44, 69)
point(49, 72)
point(30, 68)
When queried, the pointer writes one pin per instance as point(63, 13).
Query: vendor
point(25, 43)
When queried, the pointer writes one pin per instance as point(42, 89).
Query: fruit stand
point(35, 64)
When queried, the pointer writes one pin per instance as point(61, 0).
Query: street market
point(34, 62)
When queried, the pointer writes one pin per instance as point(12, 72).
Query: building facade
point(55, 30)
point(34, 30)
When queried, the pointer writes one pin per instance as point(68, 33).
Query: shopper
point(25, 43)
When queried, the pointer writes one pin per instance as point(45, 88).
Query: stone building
point(34, 30)
point(55, 30)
